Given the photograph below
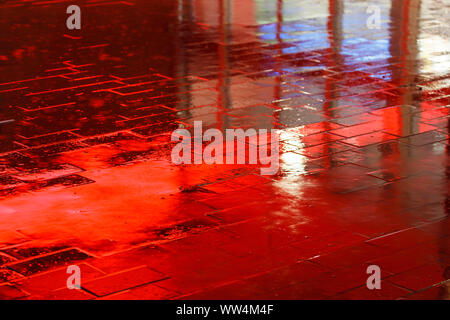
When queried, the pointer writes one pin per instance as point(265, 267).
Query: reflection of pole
point(278, 79)
point(405, 26)
point(334, 25)
point(392, 118)
point(181, 59)
point(223, 76)
point(180, 69)
point(334, 29)
point(404, 22)
point(403, 45)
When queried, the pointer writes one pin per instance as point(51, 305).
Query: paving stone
point(146, 292)
point(9, 292)
point(123, 280)
point(42, 263)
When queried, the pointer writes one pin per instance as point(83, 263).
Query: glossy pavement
point(85, 172)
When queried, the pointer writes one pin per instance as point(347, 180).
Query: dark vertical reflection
point(401, 48)
point(334, 28)
point(181, 66)
point(224, 68)
point(277, 93)
point(181, 71)
point(278, 67)
point(403, 45)
point(405, 26)
point(334, 25)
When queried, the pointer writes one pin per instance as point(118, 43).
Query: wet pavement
point(86, 178)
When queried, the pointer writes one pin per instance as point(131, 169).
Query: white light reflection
point(292, 165)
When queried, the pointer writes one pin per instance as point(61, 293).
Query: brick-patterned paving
point(85, 172)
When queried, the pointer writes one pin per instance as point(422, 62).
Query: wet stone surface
point(86, 177)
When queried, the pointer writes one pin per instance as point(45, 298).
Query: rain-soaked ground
point(86, 177)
